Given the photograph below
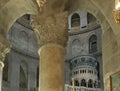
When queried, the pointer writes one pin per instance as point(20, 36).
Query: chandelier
point(117, 11)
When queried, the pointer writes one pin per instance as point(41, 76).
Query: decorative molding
point(52, 29)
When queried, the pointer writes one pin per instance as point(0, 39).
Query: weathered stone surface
point(3, 2)
point(51, 67)
point(111, 42)
point(52, 29)
point(7, 17)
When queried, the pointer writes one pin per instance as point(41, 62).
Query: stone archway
point(110, 30)
point(8, 14)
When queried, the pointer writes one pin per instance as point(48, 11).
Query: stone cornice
point(52, 29)
point(84, 31)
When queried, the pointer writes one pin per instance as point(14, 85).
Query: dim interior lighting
point(117, 11)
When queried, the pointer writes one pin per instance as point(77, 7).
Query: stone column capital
point(51, 29)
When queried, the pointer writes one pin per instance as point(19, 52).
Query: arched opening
point(95, 84)
point(75, 20)
point(90, 18)
point(89, 47)
point(76, 83)
point(90, 83)
point(25, 20)
point(95, 11)
point(83, 82)
point(24, 46)
point(93, 44)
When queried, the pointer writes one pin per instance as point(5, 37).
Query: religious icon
point(115, 81)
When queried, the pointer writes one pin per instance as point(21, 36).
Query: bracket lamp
point(117, 11)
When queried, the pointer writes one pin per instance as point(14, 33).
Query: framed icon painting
point(115, 81)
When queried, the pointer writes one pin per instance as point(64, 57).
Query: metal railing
point(80, 88)
point(70, 88)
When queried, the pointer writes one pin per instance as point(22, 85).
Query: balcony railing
point(76, 88)
point(69, 88)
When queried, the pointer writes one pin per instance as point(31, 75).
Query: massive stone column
point(52, 36)
point(4, 49)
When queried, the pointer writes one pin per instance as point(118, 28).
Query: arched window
point(83, 82)
point(90, 18)
point(76, 83)
point(75, 20)
point(93, 44)
point(90, 83)
point(95, 84)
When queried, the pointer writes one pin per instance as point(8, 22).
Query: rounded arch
point(90, 83)
point(71, 15)
point(24, 7)
point(90, 17)
point(92, 9)
point(96, 84)
point(76, 83)
point(93, 43)
point(76, 41)
point(83, 82)
point(75, 20)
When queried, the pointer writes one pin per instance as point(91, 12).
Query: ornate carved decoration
point(52, 29)
point(5, 47)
